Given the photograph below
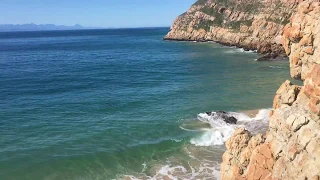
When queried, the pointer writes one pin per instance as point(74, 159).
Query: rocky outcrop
point(251, 24)
point(227, 118)
point(236, 160)
point(301, 38)
point(291, 147)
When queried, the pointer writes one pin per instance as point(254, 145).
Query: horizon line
point(88, 28)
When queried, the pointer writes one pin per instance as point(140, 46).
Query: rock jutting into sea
point(229, 119)
point(249, 24)
point(291, 147)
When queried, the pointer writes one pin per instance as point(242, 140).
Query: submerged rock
point(223, 115)
point(268, 57)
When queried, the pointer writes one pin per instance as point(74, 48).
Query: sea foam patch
point(221, 131)
point(201, 164)
point(204, 153)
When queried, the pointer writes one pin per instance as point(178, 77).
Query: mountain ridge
point(37, 27)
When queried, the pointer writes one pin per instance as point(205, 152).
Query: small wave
point(220, 131)
point(275, 67)
point(200, 164)
point(247, 51)
point(234, 49)
point(203, 154)
point(194, 130)
point(177, 140)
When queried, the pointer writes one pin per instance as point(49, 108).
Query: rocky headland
point(291, 147)
point(250, 24)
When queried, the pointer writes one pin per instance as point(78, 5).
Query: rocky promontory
point(291, 147)
point(250, 24)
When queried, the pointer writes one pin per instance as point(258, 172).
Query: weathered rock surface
point(302, 38)
point(251, 24)
point(291, 148)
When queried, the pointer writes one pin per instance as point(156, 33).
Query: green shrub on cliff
point(237, 24)
point(217, 11)
point(205, 24)
point(213, 12)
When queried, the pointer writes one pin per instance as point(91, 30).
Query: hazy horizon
point(97, 13)
point(53, 27)
point(89, 27)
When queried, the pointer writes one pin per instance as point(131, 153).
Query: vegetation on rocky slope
point(251, 24)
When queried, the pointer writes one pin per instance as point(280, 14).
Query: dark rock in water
point(268, 57)
point(230, 120)
point(225, 116)
point(221, 112)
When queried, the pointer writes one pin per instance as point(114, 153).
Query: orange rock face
point(301, 38)
point(251, 24)
point(292, 146)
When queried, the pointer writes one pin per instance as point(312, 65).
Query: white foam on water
point(177, 140)
point(220, 131)
point(144, 167)
point(188, 129)
point(167, 171)
point(275, 67)
point(234, 49)
point(204, 161)
point(247, 51)
point(196, 168)
point(263, 114)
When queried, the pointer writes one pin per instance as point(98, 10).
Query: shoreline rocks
point(291, 147)
point(268, 57)
point(224, 116)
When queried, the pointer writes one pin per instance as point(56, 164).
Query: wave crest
point(220, 131)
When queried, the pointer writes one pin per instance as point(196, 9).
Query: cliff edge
point(251, 24)
point(291, 147)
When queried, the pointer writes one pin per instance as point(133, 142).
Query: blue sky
point(93, 13)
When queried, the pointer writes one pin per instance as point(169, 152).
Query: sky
point(93, 13)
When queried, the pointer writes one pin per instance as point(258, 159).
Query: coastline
point(247, 47)
point(290, 147)
point(250, 25)
point(264, 56)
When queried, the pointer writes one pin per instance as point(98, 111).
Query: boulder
point(224, 116)
point(268, 57)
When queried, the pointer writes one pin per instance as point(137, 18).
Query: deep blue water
point(94, 104)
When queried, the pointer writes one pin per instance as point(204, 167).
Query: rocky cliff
point(291, 147)
point(251, 24)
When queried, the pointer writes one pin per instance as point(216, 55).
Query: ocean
point(124, 104)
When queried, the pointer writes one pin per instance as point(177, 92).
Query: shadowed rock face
point(291, 148)
point(251, 24)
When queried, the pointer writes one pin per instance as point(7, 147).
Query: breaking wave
point(220, 131)
point(234, 49)
point(203, 155)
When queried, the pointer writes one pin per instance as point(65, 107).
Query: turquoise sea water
point(98, 104)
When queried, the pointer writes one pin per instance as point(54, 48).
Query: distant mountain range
point(38, 27)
